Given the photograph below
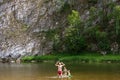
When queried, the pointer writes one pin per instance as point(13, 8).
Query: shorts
point(59, 72)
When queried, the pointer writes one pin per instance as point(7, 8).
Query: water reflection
point(48, 71)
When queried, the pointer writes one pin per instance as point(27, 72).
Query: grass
point(83, 58)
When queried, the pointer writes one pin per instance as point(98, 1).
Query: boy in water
point(59, 65)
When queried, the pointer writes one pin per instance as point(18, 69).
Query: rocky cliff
point(23, 23)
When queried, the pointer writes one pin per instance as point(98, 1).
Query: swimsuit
point(59, 72)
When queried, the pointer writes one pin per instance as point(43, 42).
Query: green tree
point(74, 41)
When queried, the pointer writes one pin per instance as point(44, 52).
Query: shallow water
point(47, 71)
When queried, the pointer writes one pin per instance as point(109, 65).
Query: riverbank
point(83, 58)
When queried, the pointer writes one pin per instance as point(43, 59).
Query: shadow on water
point(48, 71)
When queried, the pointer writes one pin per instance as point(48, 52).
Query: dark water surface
point(47, 71)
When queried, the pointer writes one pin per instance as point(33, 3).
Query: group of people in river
point(62, 70)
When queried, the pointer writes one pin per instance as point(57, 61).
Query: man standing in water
point(59, 65)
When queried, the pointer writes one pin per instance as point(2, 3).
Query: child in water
point(65, 72)
point(60, 66)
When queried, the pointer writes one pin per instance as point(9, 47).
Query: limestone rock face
point(21, 21)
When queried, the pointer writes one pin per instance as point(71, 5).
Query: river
point(47, 71)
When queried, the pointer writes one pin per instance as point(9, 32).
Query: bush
point(75, 44)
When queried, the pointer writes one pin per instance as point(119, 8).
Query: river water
point(47, 71)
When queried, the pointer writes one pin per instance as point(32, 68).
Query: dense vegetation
point(99, 31)
point(82, 58)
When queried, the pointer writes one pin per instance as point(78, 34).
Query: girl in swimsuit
point(59, 65)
